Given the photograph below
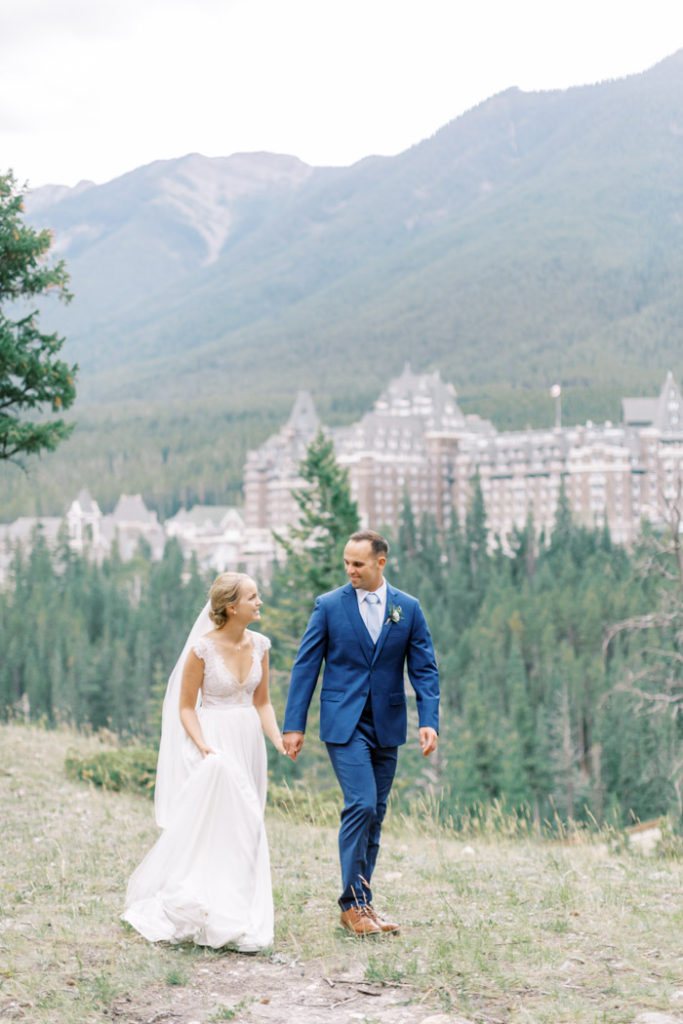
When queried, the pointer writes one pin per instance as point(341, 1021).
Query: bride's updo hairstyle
point(225, 590)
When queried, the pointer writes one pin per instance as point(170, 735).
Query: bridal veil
point(172, 770)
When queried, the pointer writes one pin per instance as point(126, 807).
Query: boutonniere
point(394, 613)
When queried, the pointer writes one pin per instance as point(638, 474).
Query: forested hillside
point(535, 239)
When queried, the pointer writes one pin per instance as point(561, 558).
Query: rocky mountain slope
point(537, 238)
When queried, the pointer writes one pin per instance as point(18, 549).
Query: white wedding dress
point(207, 878)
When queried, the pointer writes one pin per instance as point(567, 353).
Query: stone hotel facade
point(417, 441)
point(414, 441)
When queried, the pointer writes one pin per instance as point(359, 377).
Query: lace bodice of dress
point(219, 686)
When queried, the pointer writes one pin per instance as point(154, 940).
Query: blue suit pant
point(365, 772)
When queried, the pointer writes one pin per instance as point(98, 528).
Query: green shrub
point(130, 768)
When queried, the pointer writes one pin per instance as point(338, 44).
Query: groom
point(365, 632)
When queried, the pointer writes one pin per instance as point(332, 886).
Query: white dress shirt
point(363, 606)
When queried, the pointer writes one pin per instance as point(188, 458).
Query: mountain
point(152, 232)
point(537, 238)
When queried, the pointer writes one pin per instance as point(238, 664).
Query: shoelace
point(365, 911)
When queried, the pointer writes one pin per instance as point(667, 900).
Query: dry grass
point(494, 929)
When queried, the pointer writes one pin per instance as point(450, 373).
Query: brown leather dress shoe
point(385, 924)
point(360, 921)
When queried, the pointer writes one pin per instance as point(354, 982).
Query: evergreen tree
point(407, 531)
point(645, 665)
point(481, 748)
point(529, 780)
point(31, 374)
point(536, 712)
point(314, 547)
point(476, 538)
point(523, 544)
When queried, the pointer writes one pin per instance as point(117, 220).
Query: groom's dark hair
point(379, 544)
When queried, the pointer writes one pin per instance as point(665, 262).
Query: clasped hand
point(293, 742)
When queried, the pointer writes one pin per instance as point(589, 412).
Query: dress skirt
point(207, 878)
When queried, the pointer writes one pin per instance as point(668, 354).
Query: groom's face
point(363, 567)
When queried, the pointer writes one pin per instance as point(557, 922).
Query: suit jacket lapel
point(350, 605)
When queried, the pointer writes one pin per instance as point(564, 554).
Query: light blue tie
point(374, 622)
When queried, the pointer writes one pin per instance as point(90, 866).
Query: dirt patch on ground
point(274, 991)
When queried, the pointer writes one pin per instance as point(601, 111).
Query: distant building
point(414, 442)
point(407, 445)
point(216, 535)
point(272, 471)
point(85, 529)
point(84, 524)
point(20, 532)
point(417, 442)
point(220, 540)
point(132, 524)
point(80, 528)
point(614, 475)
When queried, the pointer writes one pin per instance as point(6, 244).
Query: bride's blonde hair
point(225, 590)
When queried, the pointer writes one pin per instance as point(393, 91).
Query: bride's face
point(247, 608)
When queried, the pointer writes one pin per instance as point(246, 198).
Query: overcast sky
point(94, 88)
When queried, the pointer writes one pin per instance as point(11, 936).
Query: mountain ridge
point(536, 238)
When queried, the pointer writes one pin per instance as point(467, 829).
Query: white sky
point(94, 88)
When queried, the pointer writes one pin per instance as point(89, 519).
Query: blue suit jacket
point(355, 667)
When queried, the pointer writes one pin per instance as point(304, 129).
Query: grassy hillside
point(495, 928)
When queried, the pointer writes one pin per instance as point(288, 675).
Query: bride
point(207, 878)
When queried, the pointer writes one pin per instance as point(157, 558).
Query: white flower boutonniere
point(394, 613)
